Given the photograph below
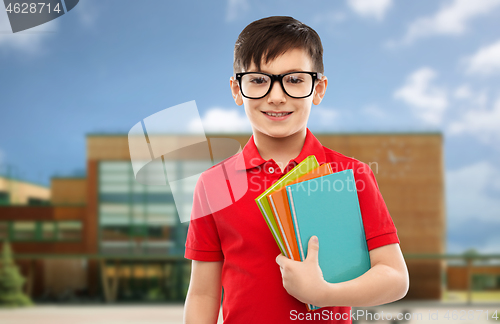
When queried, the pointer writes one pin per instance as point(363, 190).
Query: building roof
point(10, 178)
point(367, 132)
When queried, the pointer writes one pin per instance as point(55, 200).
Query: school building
point(108, 236)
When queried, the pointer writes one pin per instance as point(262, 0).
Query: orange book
point(281, 210)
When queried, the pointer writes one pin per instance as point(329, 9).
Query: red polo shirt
point(239, 236)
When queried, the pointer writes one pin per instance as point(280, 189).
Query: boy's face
point(278, 101)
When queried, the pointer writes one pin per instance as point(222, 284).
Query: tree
point(471, 252)
point(11, 281)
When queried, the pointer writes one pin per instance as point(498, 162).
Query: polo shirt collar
point(312, 146)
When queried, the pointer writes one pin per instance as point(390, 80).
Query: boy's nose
point(276, 95)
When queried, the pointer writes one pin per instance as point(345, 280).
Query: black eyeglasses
point(257, 85)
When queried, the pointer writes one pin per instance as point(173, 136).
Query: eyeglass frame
point(279, 77)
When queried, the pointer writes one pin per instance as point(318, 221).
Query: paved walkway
point(422, 313)
point(123, 314)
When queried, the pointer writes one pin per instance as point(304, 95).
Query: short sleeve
point(203, 242)
point(379, 227)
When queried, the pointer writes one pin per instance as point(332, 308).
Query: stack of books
point(313, 200)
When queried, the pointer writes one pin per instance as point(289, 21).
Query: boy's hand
point(304, 280)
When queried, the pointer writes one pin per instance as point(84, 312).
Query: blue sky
point(392, 66)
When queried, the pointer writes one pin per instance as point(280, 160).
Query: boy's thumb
point(312, 249)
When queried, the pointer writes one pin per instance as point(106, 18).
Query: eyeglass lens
point(256, 85)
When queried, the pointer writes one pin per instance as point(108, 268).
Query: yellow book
point(310, 163)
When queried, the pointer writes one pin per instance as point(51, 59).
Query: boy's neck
point(280, 149)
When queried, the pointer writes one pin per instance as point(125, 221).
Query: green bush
point(11, 281)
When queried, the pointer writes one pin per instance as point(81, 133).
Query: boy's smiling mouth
point(277, 113)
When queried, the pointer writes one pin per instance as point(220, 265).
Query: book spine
point(297, 233)
point(268, 221)
point(295, 223)
point(278, 220)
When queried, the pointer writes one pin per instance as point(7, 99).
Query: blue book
point(328, 207)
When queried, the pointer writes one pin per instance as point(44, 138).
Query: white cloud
point(465, 93)
point(323, 117)
point(479, 122)
point(370, 8)
point(219, 120)
point(467, 193)
point(27, 41)
point(451, 19)
point(485, 61)
point(234, 9)
point(428, 101)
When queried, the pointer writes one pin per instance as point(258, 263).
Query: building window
point(136, 218)
point(24, 231)
point(4, 198)
point(37, 202)
point(48, 231)
point(485, 282)
point(69, 230)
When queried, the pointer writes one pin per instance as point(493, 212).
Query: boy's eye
point(293, 79)
point(259, 80)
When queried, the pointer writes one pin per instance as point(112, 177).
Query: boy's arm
point(385, 282)
point(204, 295)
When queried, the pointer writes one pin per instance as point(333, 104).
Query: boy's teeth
point(277, 115)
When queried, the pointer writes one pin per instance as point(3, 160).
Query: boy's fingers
point(312, 249)
point(280, 259)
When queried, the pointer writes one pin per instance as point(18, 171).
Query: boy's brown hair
point(267, 38)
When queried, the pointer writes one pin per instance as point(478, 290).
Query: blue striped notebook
point(328, 207)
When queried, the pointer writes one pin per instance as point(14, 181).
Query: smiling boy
point(278, 65)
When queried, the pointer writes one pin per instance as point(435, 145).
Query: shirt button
point(271, 170)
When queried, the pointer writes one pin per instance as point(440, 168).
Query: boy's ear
point(235, 91)
point(319, 90)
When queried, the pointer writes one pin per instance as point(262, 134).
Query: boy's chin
point(281, 133)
